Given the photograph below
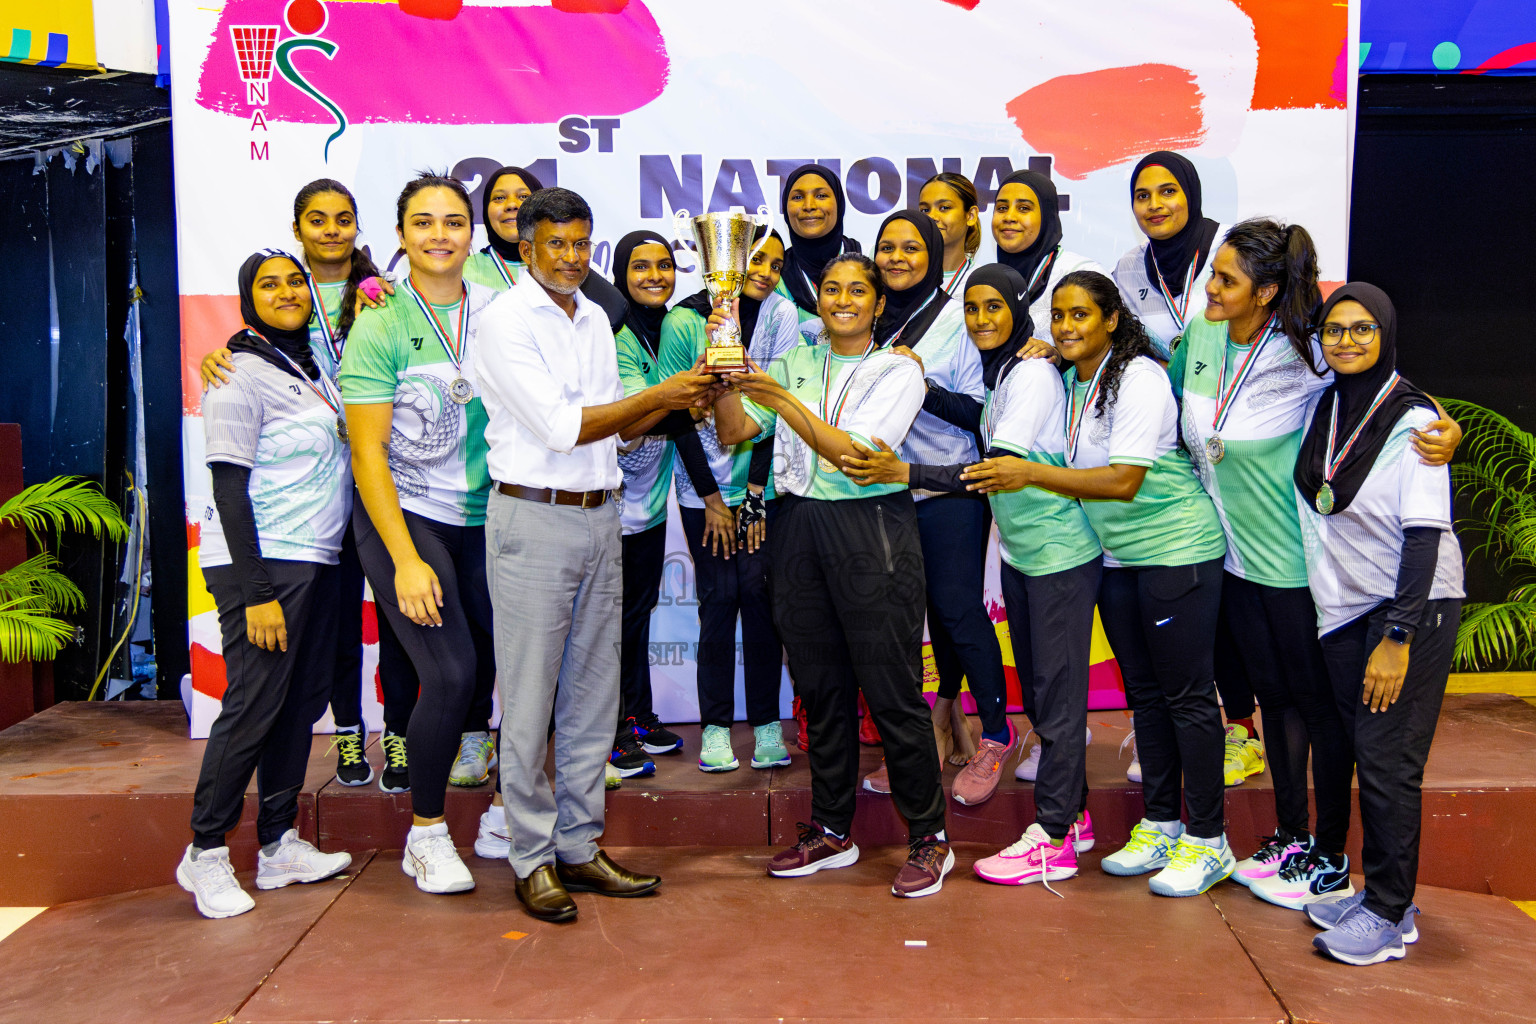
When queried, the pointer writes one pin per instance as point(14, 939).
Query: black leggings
point(953, 530)
point(1160, 620)
point(397, 679)
point(452, 660)
point(1277, 628)
point(644, 557)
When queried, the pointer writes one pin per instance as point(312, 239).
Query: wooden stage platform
point(95, 799)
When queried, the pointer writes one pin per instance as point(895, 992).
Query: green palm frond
point(28, 632)
point(65, 503)
point(1495, 634)
point(40, 576)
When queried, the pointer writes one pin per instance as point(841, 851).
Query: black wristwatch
point(1398, 635)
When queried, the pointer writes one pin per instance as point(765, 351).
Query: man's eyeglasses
point(1362, 332)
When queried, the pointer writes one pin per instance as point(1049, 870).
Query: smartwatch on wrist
point(1398, 635)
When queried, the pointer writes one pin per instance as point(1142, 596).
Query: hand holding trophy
point(726, 243)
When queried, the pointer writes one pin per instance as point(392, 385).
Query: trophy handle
point(764, 215)
point(682, 226)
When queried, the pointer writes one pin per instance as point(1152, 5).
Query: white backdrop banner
point(648, 106)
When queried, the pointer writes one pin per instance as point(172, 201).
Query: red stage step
point(96, 799)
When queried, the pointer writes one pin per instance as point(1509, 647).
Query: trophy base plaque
point(726, 359)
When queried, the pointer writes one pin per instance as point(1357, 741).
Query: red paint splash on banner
point(488, 65)
point(1102, 118)
point(207, 321)
point(442, 10)
point(208, 672)
point(1297, 41)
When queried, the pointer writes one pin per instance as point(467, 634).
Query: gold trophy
point(725, 244)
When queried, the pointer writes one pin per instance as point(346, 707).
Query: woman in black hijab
point(813, 206)
point(1163, 279)
point(1386, 573)
point(280, 476)
point(498, 265)
point(1026, 224)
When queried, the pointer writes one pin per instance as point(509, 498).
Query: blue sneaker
point(1361, 938)
point(1195, 866)
point(1325, 914)
point(1305, 877)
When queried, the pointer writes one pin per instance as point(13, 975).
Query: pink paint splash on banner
point(488, 65)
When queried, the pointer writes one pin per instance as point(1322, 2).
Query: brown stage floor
point(96, 797)
point(723, 942)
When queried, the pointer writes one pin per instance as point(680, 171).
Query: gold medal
point(825, 465)
point(1324, 502)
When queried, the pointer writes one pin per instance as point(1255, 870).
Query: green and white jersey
point(267, 420)
point(437, 447)
point(880, 397)
point(330, 297)
point(1353, 555)
point(1161, 314)
point(1038, 531)
point(486, 268)
point(1171, 521)
point(646, 462)
point(809, 323)
point(1260, 436)
point(683, 340)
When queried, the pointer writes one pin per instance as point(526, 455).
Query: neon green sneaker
point(768, 750)
point(1244, 756)
point(717, 755)
point(1148, 849)
point(1195, 866)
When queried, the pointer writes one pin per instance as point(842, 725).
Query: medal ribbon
point(896, 338)
point(1182, 307)
point(1330, 463)
point(1074, 414)
point(455, 349)
point(842, 396)
point(503, 268)
point(1044, 268)
point(1224, 394)
point(332, 344)
point(959, 275)
point(327, 391)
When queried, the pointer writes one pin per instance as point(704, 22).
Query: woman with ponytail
point(1246, 371)
point(326, 227)
point(1163, 550)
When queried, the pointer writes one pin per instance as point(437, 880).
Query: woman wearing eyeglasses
point(1385, 569)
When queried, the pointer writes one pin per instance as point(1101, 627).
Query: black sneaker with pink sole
point(929, 859)
point(815, 850)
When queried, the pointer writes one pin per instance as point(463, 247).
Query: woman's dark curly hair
point(1127, 341)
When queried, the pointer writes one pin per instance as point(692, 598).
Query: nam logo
point(258, 52)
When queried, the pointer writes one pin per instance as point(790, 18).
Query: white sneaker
point(1195, 866)
point(431, 859)
point(477, 756)
point(211, 880)
point(1029, 768)
point(295, 860)
point(493, 842)
point(1148, 849)
point(1133, 773)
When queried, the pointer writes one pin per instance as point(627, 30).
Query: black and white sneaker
point(654, 737)
point(1306, 877)
point(352, 767)
point(396, 776)
point(628, 759)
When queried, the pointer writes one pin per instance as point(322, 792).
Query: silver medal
point(1215, 449)
point(461, 391)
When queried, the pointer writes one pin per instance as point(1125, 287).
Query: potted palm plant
point(1495, 475)
point(36, 594)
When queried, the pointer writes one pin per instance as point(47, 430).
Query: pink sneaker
point(1081, 834)
point(1031, 859)
point(978, 780)
point(1266, 860)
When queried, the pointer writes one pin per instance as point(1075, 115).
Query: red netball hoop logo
point(257, 52)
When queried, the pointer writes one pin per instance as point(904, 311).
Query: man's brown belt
point(545, 496)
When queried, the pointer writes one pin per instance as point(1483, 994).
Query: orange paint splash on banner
point(1102, 118)
point(207, 321)
point(1299, 42)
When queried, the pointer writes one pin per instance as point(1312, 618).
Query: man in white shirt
point(548, 367)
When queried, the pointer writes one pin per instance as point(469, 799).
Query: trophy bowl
point(726, 243)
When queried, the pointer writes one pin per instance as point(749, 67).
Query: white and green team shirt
point(1040, 309)
point(884, 393)
point(330, 295)
point(646, 462)
point(1145, 298)
point(267, 420)
point(1260, 436)
point(437, 447)
point(1038, 531)
point(1353, 555)
point(683, 340)
point(1171, 521)
point(482, 268)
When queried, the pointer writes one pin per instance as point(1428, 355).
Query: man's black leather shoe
point(544, 897)
point(602, 876)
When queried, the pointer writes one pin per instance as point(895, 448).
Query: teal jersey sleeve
point(482, 268)
point(638, 369)
point(682, 340)
point(372, 361)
